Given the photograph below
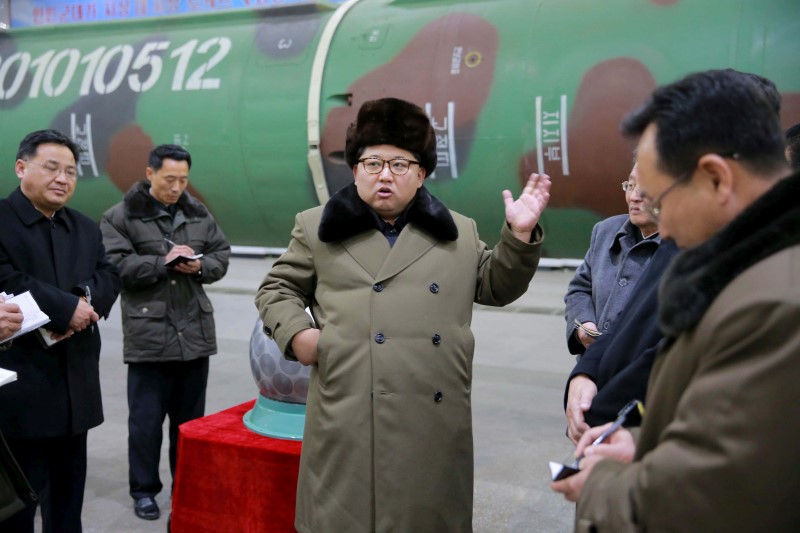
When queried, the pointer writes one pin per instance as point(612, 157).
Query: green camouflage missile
point(262, 98)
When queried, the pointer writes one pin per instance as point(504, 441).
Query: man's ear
point(720, 174)
point(148, 172)
point(421, 173)
point(19, 168)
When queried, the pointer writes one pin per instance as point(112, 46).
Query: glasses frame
point(69, 172)
point(389, 163)
point(625, 188)
point(653, 207)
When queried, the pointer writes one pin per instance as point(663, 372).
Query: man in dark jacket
point(715, 451)
point(166, 245)
point(57, 254)
point(615, 369)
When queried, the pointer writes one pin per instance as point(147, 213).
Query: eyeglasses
point(53, 170)
point(628, 186)
point(398, 166)
point(653, 207)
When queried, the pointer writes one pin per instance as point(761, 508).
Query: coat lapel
point(412, 244)
point(369, 249)
point(347, 219)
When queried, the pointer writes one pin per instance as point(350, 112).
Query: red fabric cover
point(229, 478)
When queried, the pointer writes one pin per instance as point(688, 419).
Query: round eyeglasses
point(629, 186)
point(397, 166)
point(52, 169)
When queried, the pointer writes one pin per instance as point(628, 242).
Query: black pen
point(621, 417)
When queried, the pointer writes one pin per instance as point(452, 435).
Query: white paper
point(46, 337)
point(7, 376)
point(183, 259)
point(32, 316)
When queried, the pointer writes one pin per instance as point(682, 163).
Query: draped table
point(229, 478)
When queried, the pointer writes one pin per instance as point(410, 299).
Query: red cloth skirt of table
point(229, 478)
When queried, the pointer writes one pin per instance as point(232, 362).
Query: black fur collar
point(140, 204)
point(346, 215)
point(698, 275)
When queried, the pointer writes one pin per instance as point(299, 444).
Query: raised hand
point(523, 213)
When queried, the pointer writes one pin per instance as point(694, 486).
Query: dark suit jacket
point(620, 361)
point(57, 391)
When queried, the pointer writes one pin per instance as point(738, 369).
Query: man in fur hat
point(390, 275)
point(717, 448)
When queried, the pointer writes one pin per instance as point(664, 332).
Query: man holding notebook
point(166, 245)
point(57, 254)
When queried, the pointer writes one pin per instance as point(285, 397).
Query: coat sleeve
point(58, 304)
point(588, 364)
point(287, 290)
point(91, 270)
point(726, 459)
point(579, 300)
point(136, 270)
point(505, 272)
point(216, 254)
point(104, 284)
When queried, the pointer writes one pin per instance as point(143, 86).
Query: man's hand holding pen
point(83, 317)
point(188, 267)
point(619, 446)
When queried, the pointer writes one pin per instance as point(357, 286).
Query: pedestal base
point(229, 478)
point(280, 420)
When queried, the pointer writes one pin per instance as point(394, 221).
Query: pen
point(590, 332)
point(88, 293)
point(170, 242)
point(621, 417)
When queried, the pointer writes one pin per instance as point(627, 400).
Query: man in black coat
point(57, 254)
point(615, 369)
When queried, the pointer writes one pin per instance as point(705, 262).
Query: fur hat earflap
point(395, 122)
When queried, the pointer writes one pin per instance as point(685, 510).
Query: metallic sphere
point(277, 378)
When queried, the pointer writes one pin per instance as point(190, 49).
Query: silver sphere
point(276, 377)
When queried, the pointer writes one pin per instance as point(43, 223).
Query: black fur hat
point(396, 122)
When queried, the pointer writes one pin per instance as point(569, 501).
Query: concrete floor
point(520, 365)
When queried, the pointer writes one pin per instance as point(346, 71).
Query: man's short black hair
point(168, 151)
point(766, 85)
point(793, 146)
point(717, 111)
point(30, 144)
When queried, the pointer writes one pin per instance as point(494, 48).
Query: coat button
point(268, 331)
point(606, 325)
point(623, 282)
point(378, 287)
point(173, 282)
point(438, 396)
point(379, 338)
point(434, 288)
point(436, 338)
point(145, 310)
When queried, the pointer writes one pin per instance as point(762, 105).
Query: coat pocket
point(323, 351)
point(145, 325)
point(207, 320)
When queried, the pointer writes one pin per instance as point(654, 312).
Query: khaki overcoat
point(388, 436)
